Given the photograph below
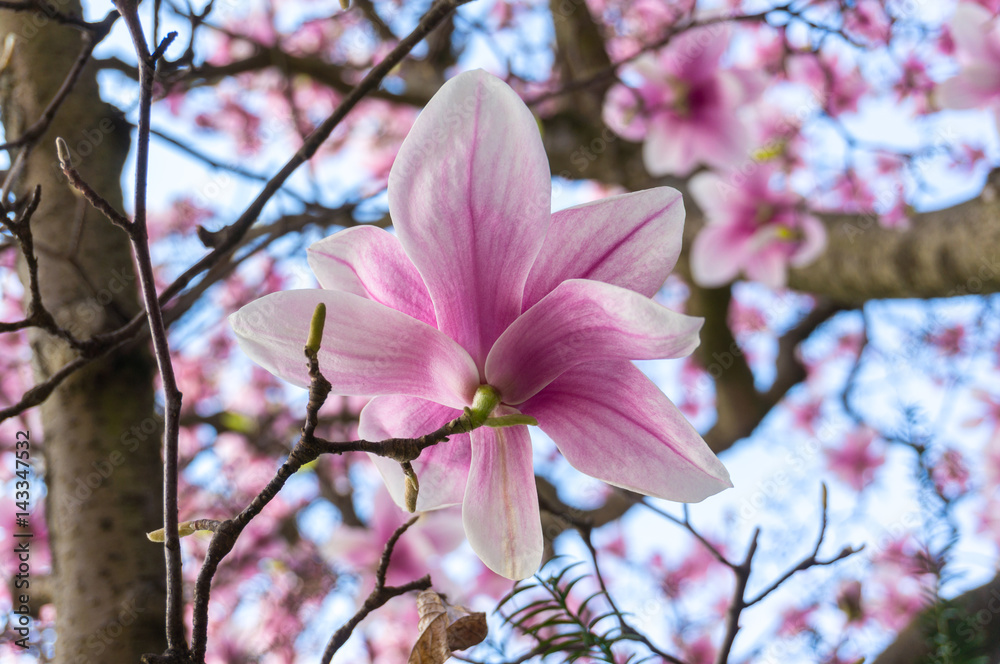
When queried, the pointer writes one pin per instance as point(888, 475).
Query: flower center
point(485, 401)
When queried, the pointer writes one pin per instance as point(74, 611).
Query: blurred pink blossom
point(951, 473)
point(838, 88)
point(417, 552)
point(869, 21)
point(692, 109)
point(856, 458)
point(751, 228)
point(796, 619)
point(977, 48)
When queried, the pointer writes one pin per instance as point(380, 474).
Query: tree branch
point(378, 596)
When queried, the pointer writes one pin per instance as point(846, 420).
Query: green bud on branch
point(316, 330)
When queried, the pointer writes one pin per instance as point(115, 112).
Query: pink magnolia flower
point(869, 21)
point(751, 229)
point(854, 460)
point(796, 620)
point(915, 83)
point(480, 286)
point(692, 108)
point(976, 34)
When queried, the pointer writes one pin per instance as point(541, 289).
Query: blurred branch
point(47, 10)
point(383, 31)
point(264, 57)
point(558, 517)
point(739, 404)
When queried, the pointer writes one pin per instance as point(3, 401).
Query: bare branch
point(378, 597)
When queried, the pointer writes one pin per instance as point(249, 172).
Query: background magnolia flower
point(691, 109)
point(483, 286)
point(751, 228)
point(976, 34)
point(425, 543)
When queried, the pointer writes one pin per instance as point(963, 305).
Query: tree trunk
point(101, 430)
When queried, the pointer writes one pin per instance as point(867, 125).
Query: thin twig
point(686, 524)
point(176, 641)
point(737, 604)
point(378, 596)
point(38, 316)
point(99, 203)
point(811, 560)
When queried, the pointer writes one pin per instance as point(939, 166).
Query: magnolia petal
point(368, 349)
point(769, 265)
point(500, 510)
point(442, 469)
point(631, 241)
point(670, 147)
point(974, 87)
point(970, 29)
point(469, 197)
point(714, 196)
point(723, 136)
point(695, 54)
point(584, 321)
point(717, 254)
point(611, 422)
point(370, 262)
point(813, 241)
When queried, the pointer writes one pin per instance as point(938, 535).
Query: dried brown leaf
point(444, 628)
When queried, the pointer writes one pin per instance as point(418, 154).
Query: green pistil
point(483, 404)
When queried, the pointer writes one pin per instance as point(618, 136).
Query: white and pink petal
point(611, 422)
point(632, 241)
point(718, 253)
point(370, 262)
point(469, 197)
point(367, 349)
point(500, 511)
point(442, 470)
point(584, 321)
